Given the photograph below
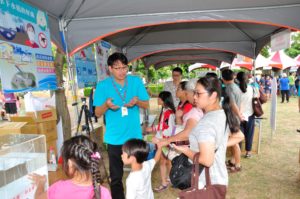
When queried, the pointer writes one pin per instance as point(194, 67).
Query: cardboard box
point(12, 127)
point(48, 128)
point(43, 116)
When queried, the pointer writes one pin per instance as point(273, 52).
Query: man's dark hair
point(117, 57)
point(211, 74)
point(137, 148)
point(227, 74)
point(177, 69)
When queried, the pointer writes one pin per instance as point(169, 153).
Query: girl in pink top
point(80, 163)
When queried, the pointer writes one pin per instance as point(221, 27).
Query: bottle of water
point(52, 158)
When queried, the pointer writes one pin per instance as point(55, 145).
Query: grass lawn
point(272, 174)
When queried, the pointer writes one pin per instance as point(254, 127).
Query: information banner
point(26, 60)
point(86, 67)
point(103, 49)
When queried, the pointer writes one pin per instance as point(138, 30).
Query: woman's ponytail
point(231, 117)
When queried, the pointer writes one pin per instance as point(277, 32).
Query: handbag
point(181, 172)
point(256, 105)
point(262, 97)
point(215, 191)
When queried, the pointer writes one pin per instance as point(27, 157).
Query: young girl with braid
point(81, 164)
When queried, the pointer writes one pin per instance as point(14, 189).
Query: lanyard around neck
point(117, 90)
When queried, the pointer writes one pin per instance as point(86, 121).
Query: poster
point(103, 50)
point(26, 60)
point(86, 67)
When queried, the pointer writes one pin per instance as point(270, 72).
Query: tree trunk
point(60, 97)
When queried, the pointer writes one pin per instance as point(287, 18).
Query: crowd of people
point(207, 115)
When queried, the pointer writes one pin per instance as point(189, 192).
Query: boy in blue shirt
point(119, 98)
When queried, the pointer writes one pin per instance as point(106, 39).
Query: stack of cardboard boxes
point(40, 122)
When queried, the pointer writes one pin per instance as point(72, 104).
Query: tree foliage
point(265, 51)
point(294, 50)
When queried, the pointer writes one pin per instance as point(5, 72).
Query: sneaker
point(248, 155)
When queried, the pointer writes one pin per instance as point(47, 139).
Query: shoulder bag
point(256, 105)
point(210, 191)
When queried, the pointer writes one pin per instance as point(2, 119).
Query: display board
point(103, 50)
point(26, 60)
point(86, 67)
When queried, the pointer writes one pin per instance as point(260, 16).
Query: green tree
point(294, 50)
point(265, 51)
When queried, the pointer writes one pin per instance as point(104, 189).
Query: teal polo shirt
point(120, 129)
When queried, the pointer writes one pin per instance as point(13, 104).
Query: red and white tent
point(242, 62)
point(281, 61)
point(297, 60)
point(201, 65)
point(261, 62)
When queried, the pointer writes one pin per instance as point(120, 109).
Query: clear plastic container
point(20, 155)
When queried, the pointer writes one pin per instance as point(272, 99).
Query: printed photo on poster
point(26, 60)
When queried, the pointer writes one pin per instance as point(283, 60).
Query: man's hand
point(132, 102)
point(111, 105)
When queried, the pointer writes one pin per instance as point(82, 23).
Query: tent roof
point(247, 64)
point(187, 61)
point(192, 54)
point(280, 60)
point(201, 65)
point(261, 61)
point(297, 59)
point(132, 26)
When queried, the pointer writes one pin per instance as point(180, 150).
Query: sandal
point(235, 169)
point(229, 164)
point(161, 188)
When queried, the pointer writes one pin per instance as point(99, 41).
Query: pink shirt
point(194, 113)
point(67, 189)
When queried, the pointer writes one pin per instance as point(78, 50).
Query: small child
point(165, 128)
point(138, 182)
point(81, 163)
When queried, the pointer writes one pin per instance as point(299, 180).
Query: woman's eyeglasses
point(198, 93)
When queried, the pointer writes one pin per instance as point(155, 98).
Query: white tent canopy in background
point(201, 65)
point(261, 62)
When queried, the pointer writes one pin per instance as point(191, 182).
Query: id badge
point(124, 111)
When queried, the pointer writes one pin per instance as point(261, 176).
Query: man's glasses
point(198, 93)
point(125, 68)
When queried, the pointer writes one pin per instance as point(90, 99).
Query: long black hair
point(167, 98)
point(85, 155)
point(212, 84)
point(243, 81)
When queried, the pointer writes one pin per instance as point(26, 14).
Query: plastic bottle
point(52, 158)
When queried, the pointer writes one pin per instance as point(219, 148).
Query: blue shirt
point(284, 83)
point(120, 129)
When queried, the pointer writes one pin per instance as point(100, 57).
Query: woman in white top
point(210, 136)
point(246, 109)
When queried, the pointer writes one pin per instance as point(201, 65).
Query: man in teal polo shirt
point(119, 98)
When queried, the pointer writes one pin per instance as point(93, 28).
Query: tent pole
point(70, 67)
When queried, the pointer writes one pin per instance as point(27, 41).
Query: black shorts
point(11, 108)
